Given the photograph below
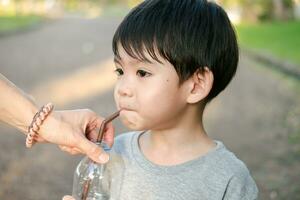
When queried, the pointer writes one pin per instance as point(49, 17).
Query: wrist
point(50, 126)
point(35, 126)
point(23, 124)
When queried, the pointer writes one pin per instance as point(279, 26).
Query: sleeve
point(241, 187)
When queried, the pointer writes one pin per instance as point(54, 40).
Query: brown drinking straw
point(103, 124)
point(86, 188)
point(86, 185)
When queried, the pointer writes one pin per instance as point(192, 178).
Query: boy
point(172, 57)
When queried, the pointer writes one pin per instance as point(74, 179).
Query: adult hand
point(72, 130)
point(69, 129)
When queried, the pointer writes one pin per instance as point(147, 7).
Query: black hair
point(190, 34)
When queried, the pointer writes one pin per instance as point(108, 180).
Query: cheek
point(132, 120)
point(158, 102)
point(161, 94)
point(161, 103)
point(116, 95)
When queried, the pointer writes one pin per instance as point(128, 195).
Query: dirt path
point(257, 117)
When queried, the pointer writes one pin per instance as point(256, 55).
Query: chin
point(134, 126)
point(131, 126)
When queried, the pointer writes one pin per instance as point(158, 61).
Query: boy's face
point(149, 94)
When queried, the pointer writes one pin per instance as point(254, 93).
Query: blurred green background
point(259, 118)
point(266, 25)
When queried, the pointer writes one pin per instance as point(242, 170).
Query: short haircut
point(190, 34)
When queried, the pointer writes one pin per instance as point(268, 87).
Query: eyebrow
point(136, 61)
point(117, 60)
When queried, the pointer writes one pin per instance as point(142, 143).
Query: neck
point(183, 141)
point(180, 135)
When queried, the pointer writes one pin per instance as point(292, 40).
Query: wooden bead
point(35, 127)
point(42, 117)
point(37, 121)
point(42, 114)
point(46, 110)
point(32, 132)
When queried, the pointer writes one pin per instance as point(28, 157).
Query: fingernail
point(104, 157)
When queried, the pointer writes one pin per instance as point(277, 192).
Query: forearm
point(16, 108)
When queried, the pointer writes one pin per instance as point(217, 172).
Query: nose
point(124, 88)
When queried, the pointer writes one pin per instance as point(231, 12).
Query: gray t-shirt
point(217, 175)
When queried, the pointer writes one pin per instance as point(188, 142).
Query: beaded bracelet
point(37, 121)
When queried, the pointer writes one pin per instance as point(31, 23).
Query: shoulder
point(123, 142)
point(125, 136)
point(227, 161)
point(240, 183)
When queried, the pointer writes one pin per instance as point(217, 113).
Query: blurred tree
point(250, 11)
point(133, 3)
point(282, 9)
point(129, 3)
point(254, 10)
point(297, 9)
point(113, 2)
point(17, 7)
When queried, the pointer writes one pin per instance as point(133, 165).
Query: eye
point(143, 73)
point(119, 71)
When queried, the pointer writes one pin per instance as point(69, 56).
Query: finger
point(73, 152)
point(65, 148)
point(62, 147)
point(109, 133)
point(75, 149)
point(93, 151)
point(68, 198)
point(93, 128)
point(108, 136)
point(92, 136)
point(92, 125)
point(70, 150)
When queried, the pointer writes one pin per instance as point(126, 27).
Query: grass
point(12, 23)
point(114, 11)
point(282, 39)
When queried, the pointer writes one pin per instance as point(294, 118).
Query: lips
point(124, 107)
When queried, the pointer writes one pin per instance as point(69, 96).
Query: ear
point(200, 85)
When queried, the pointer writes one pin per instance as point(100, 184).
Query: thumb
point(68, 198)
point(93, 151)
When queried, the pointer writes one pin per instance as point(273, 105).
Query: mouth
point(125, 108)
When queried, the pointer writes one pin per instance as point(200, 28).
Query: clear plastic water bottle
point(92, 180)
